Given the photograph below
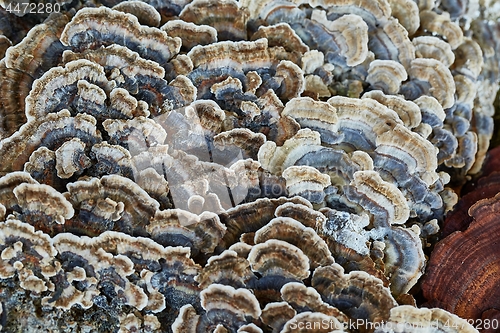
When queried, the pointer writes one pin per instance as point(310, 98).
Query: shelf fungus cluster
point(239, 166)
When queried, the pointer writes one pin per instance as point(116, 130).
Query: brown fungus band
point(474, 225)
point(245, 166)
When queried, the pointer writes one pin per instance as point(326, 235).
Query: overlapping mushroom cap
point(406, 318)
point(271, 163)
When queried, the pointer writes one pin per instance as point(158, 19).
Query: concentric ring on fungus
point(244, 166)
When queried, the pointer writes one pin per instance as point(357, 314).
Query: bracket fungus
point(370, 302)
point(175, 227)
point(406, 318)
point(244, 166)
point(225, 307)
point(473, 292)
